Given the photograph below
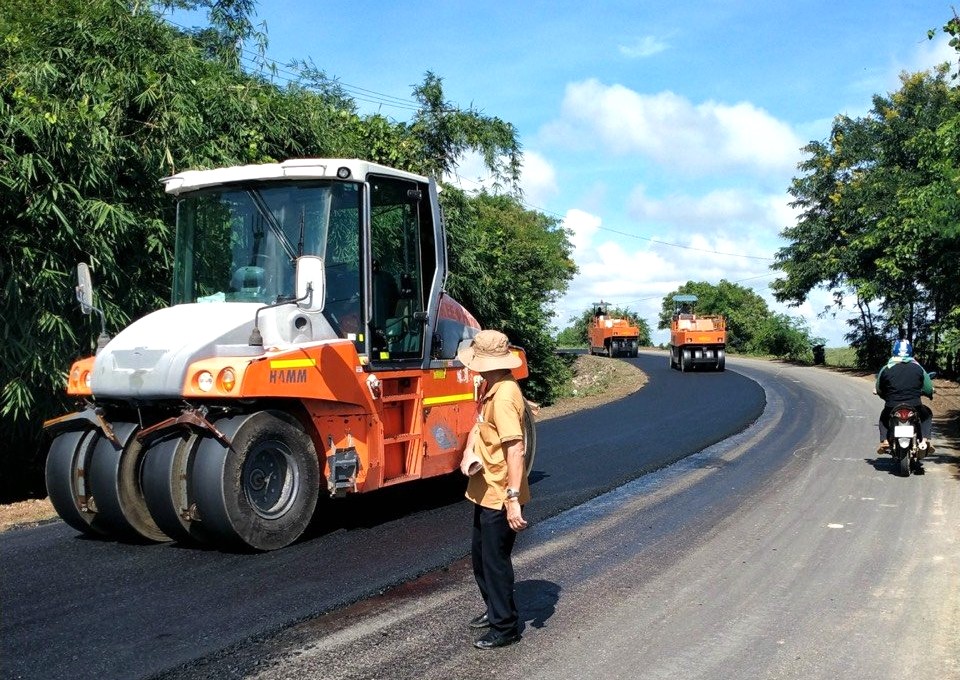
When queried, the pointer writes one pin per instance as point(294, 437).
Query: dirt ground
point(597, 381)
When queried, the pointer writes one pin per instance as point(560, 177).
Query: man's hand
point(515, 516)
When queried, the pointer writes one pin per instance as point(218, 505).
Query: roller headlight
point(204, 381)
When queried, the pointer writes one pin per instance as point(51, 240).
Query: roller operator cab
point(610, 335)
point(696, 341)
point(309, 351)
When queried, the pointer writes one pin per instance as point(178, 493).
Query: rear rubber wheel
point(114, 478)
point(262, 491)
point(65, 473)
point(686, 360)
point(721, 359)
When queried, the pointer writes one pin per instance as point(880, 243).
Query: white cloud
point(674, 132)
point(928, 55)
point(539, 179)
point(471, 173)
point(718, 209)
point(582, 226)
point(643, 47)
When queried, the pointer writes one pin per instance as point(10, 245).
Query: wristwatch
point(512, 494)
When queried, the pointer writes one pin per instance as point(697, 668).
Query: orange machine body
point(612, 336)
point(696, 340)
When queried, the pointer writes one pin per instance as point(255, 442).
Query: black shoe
point(481, 621)
point(493, 639)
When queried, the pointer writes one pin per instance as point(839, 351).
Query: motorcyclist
point(903, 381)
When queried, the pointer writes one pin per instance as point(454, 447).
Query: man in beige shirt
point(499, 488)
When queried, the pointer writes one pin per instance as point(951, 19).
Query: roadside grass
point(592, 375)
point(842, 357)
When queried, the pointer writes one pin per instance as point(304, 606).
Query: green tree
point(508, 265)
point(783, 336)
point(443, 133)
point(879, 218)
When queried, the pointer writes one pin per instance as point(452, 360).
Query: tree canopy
point(879, 221)
point(99, 99)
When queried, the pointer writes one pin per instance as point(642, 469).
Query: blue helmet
point(902, 348)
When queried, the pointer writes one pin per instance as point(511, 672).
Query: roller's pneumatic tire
point(114, 478)
point(260, 492)
point(65, 473)
point(721, 359)
point(529, 439)
point(686, 361)
point(166, 488)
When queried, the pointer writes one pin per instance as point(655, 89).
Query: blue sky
point(664, 135)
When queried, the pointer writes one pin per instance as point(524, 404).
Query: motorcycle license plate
point(903, 431)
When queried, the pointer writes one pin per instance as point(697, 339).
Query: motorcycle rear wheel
point(904, 466)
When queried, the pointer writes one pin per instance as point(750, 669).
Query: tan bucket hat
point(489, 351)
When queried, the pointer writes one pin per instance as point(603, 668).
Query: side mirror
point(932, 374)
point(85, 298)
point(84, 288)
point(311, 283)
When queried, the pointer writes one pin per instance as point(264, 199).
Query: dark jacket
point(902, 382)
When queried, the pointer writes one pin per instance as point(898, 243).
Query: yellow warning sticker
point(292, 363)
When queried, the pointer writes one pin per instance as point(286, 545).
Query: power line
point(258, 62)
point(636, 236)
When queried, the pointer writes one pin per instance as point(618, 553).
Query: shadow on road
point(536, 601)
point(889, 465)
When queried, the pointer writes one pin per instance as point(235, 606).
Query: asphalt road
point(76, 607)
point(788, 550)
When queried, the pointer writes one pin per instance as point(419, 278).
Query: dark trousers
point(492, 545)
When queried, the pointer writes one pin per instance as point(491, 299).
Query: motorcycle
point(907, 445)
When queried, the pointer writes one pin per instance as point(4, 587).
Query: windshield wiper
point(272, 223)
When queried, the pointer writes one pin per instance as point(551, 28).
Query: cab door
point(402, 265)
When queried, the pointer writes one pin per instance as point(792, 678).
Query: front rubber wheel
point(260, 492)
point(166, 487)
point(65, 475)
point(115, 482)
